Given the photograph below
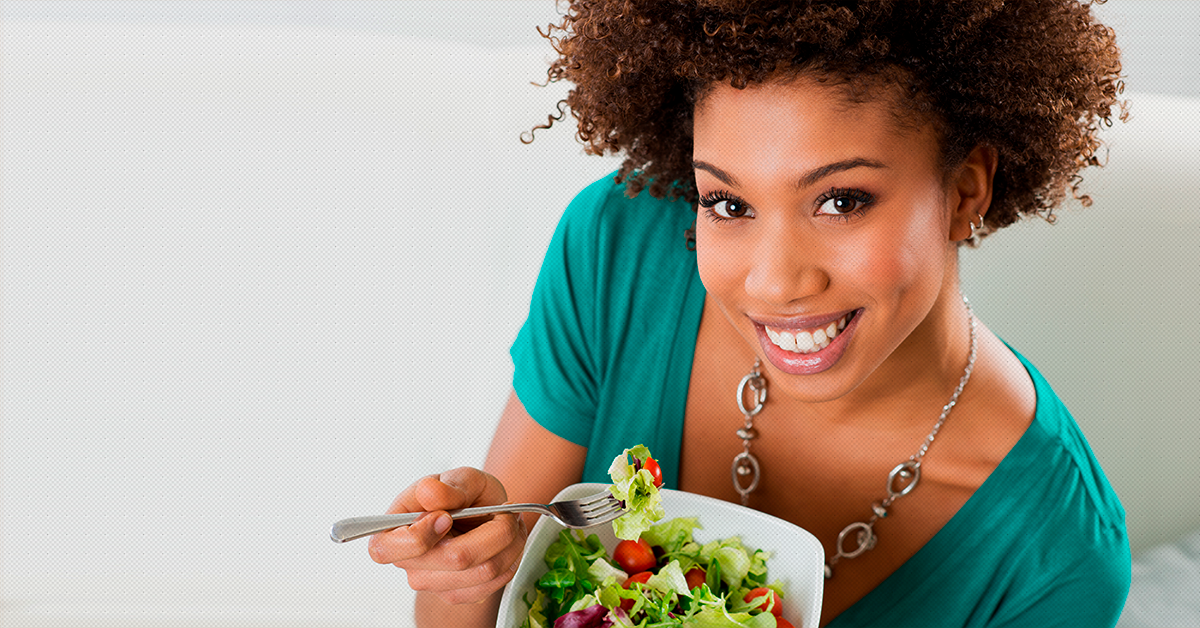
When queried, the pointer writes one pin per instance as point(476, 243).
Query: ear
point(969, 193)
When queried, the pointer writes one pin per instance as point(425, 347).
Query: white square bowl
point(797, 559)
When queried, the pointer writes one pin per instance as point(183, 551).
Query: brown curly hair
point(1032, 78)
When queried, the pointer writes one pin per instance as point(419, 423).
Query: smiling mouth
point(806, 341)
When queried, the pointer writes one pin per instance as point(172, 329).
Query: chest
point(820, 478)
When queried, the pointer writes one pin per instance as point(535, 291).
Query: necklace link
point(745, 465)
point(909, 470)
point(758, 385)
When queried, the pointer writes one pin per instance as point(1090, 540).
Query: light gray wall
point(1159, 38)
point(229, 230)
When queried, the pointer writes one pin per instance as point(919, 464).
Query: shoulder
point(605, 211)
point(1054, 420)
point(1072, 544)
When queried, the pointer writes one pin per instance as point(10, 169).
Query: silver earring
point(972, 224)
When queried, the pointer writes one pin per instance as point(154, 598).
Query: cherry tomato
point(695, 577)
point(642, 577)
point(651, 465)
point(634, 556)
point(783, 623)
point(772, 601)
point(637, 577)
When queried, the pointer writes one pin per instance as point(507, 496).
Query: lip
point(809, 363)
point(799, 322)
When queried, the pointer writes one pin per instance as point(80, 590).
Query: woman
point(799, 178)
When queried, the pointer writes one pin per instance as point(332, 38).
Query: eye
point(722, 206)
point(729, 209)
point(843, 203)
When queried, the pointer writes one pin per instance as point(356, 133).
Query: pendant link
point(758, 386)
point(864, 539)
point(909, 470)
point(745, 464)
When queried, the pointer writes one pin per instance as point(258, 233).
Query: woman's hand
point(459, 562)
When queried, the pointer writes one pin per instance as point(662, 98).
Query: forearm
point(432, 612)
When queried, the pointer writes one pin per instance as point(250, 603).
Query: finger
point(459, 488)
point(479, 592)
point(409, 541)
point(407, 500)
point(454, 591)
point(456, 553)
point(474, 572)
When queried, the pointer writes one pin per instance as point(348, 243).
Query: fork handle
point(358, 527)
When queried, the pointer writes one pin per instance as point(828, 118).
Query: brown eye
point(843, 202)
point(840, 205)
point(729, 209)
point(722, 206)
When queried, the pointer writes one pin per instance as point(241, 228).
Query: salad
point(663, 579)
point(658, 575)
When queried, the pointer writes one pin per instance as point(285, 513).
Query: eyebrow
point(809, 178)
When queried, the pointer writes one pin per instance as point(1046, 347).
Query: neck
point(910, 387)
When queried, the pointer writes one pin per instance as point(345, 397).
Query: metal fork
point(589, 511)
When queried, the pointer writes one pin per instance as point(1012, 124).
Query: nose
point(786, 266)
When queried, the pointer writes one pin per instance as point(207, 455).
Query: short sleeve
point(555, 366)
point(1089, 589)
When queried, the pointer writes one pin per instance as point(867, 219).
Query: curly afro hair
point(1032, 78)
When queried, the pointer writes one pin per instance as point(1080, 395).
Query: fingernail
point(442, 524)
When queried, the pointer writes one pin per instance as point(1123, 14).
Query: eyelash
point(865, 199)
point(709, 200)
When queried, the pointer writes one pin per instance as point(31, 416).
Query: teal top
point(604, 361)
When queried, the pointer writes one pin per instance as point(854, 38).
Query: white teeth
point(806, 341)
point(787, 341)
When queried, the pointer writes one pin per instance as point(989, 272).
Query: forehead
point(782, 125)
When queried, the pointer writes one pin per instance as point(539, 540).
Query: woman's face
point(822, 232)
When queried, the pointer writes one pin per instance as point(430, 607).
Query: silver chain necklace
point(901, 481)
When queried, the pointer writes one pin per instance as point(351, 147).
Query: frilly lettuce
point(673, 534)
point(714, 617)
point(670, 578)
point(635, 488)
point(601, 570)
point(536, 617)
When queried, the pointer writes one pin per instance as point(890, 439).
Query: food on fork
point(636, 486)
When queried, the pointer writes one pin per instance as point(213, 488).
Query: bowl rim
point(806, 547)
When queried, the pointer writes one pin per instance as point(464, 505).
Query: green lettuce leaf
point(601, 570)
point(634, 487)
point(670, 578)
point(536, 617)
point(673, 534)
point(732, 557)
point(713, 617)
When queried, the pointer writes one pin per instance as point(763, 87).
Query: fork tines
point(600, 505)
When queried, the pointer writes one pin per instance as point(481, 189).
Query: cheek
point(717, 264)
point(900, 258)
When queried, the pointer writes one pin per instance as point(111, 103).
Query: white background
point(262, 263)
